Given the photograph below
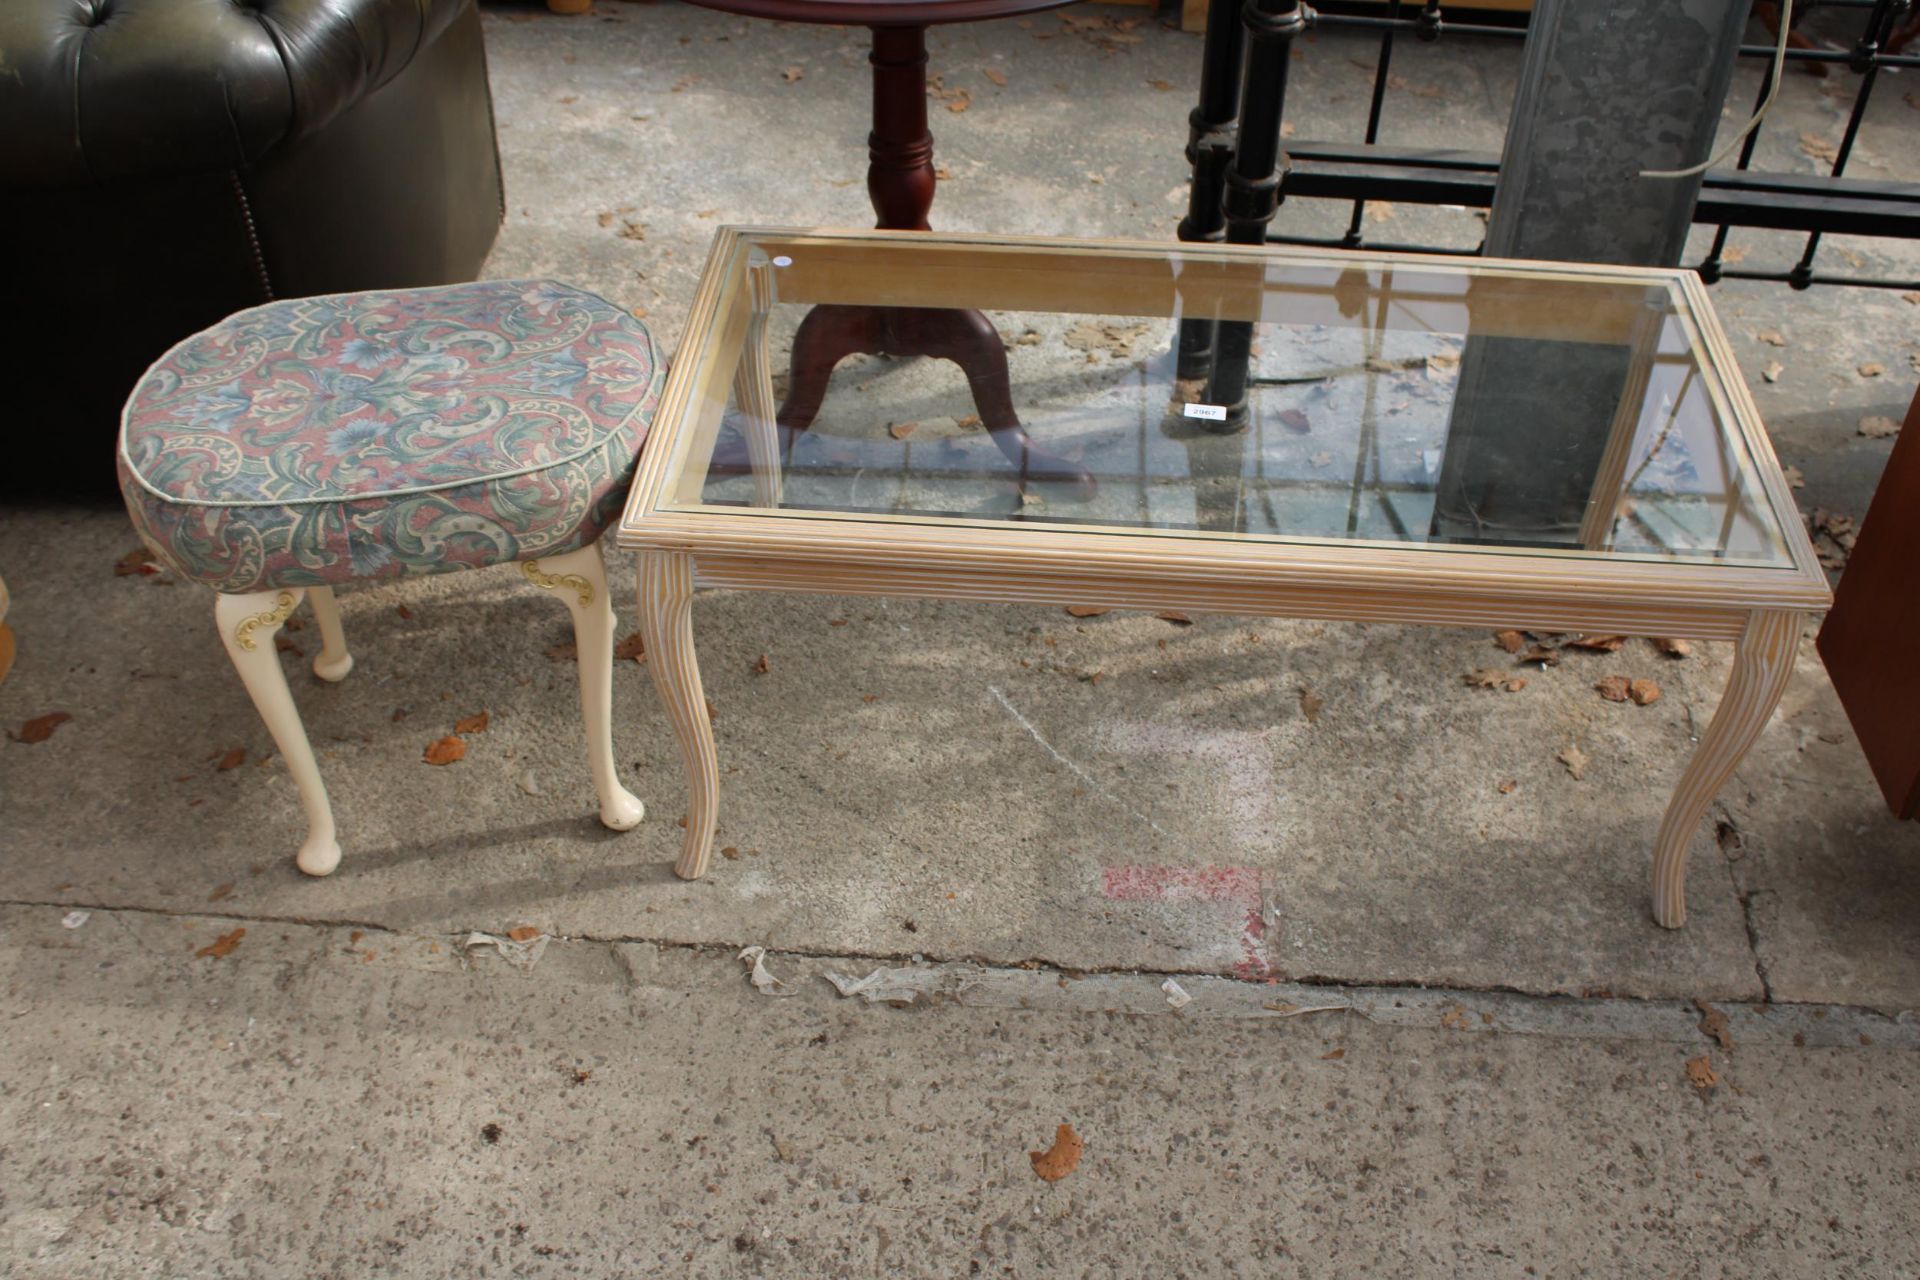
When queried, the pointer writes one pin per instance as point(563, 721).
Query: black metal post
point(1252, 193)
point(1210, 151)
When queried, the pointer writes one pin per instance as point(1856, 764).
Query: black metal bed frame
point(1240, 176)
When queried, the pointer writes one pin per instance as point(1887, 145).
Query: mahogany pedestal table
point(900, 182)
point(1325, 508)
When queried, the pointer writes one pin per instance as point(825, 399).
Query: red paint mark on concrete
point(1238, 887)
point(1171, 884)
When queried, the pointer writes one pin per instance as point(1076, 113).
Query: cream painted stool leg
point(581, 579)
point(1761, 668)
point(666, 624)
point(334, 661)
point(248, 624)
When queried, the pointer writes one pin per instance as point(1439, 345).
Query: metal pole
point(1210, 151)
point(1252, 193)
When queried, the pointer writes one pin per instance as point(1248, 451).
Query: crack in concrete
point(1556, 1008)
point(1727, 837)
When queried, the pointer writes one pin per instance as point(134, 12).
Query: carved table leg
point(753, 392)
point(666, 625)
point(900, 182)
point(1761, 668)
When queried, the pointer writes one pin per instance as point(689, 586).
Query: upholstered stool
point(303, 445)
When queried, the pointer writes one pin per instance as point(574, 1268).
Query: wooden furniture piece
point(900, 182)
point(1867, 641)
point(1325, 508)
point(305, 445)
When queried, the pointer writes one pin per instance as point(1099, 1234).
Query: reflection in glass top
point(1386, 403)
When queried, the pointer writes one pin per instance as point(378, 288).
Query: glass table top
point(1532, 408)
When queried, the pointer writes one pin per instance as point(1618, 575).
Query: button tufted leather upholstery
point(164, 163)
point(105, 89)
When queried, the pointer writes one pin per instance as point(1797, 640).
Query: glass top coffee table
point(1449, 441)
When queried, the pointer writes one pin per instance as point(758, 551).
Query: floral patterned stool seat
point(305, 444)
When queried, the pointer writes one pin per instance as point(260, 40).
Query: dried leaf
point(1543, 655)
point(1062, 1158)
point(1818, 147)
point(405, 613)
point(996, 75)
point(791, 74)
point(137, 561)
point(901, 430)
point(563, 652)
point(760, 668)
point(1872, 369)
point(446, 750)
point(1087, 610)
point(523, 933)
point(1511, 641)
point(1296, 421)
point(1878, 427)
point(1613, 688)
point(959, 101)
point(1515, 684)
point(40, 728)
point(1772, 337)
point(1508, 787)
point(1333, 1055)
point(1643, 691)
point(1700, 1072)
point(1310, 705)
point(631, 649)
point(1796, 479)
point(220, 891)
point(633, 231)
point(1773, 370)
point(475, 723)
point(1576, 761)
point(1484, 678)
point(1380, 210)
point(967, 421)
point(1174, 616)
point(1714, 1023)
point(1672, 647)
point(1164, 86)
point(232, 760)
point(222, 945)
point(1733, 254)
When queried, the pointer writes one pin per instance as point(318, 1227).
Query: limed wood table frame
point(766, 548)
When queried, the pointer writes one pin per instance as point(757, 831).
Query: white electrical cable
point(1779, 74)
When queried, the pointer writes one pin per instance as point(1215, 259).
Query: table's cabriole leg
point(753, 391)
point(1761, 668)
point(666, 625)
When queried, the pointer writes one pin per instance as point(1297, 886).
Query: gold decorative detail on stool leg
point(1761, 668)
point(283, 606)
point(540, 578)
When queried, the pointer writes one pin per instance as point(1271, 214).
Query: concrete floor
point(928, 787)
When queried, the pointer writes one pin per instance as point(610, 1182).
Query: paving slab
point(354, 1102)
